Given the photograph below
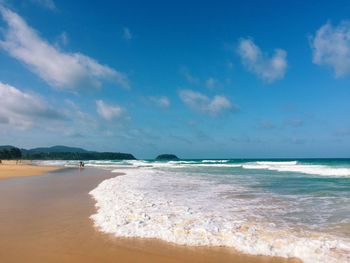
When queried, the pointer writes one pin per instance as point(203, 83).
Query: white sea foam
point(223, 165)
point(294, 166)
point(57, 163)
point(180, 162)
point(185, 209)
point(215, 161)
point(279, 166)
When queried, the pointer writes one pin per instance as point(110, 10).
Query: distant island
point(60, 153)
point(167, 157)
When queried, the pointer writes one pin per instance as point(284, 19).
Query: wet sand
point(46, 219)
point(22, 168)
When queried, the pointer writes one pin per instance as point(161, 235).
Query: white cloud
point(331, 47)
point(127, 33)
point(59, 69)
point(268, 68)
point(24, 110)
point(211, 83)
point(160, 101)
point(109, 112)
point(202, 103)
point(49, 4)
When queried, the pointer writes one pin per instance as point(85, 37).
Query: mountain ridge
point(60, 152)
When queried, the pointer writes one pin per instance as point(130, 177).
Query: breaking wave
point(190, 210)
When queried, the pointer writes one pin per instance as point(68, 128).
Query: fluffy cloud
point(24, 110)
point(268, 68)
point(160, 101)
point(201, 103)
point(109, 112)
point(331, 47)
point(59, 69)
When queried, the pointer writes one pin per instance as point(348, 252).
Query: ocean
point(288, 208)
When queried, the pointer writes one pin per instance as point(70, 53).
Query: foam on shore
point(294, 166)
point(188, 210)
point(279, 166)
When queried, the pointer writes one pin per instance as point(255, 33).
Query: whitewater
point(288, 208)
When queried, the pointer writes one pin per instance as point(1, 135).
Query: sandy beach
point(11, 168)
point(174, 131)
point(46, 219)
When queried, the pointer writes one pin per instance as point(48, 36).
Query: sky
point(200, 79)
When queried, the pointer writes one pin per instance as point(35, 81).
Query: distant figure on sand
point(81, 164)
point(0, 162)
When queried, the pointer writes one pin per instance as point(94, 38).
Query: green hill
point(10, 152)
point(167, 157)
point(57, 149)
point(60, 152)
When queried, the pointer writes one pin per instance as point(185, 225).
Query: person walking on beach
point(81, 164)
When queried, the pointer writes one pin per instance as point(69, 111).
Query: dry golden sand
point(22, 168)
point(46, 219)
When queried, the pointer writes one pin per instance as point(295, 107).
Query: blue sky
point(208, 79)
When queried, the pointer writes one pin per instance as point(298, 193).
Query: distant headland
point(167, 157)
point(60, 152)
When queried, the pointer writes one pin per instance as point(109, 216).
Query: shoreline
point(47, 218)
point(22, 168)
